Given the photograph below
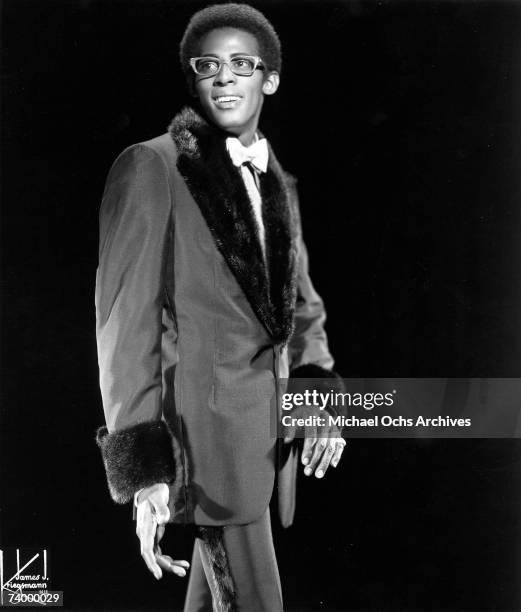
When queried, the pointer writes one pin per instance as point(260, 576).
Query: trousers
point(234, 569)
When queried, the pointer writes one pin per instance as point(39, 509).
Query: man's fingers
point(147, 552)
point(325, 460)
point(151, 562)
point(177, 566)
point(180, 562)
point(318, 449)
point(339, 449)
point(170, 565)
point(307, 450)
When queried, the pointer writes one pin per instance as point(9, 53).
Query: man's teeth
point(227, 98)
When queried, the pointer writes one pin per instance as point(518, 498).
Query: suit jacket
point(195, 328)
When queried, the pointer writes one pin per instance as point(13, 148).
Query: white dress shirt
point(250, 179)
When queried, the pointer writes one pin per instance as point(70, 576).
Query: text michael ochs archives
point(312, 408)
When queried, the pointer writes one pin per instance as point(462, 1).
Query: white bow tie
point(256, 154)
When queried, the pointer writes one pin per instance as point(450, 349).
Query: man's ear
point(271, 83)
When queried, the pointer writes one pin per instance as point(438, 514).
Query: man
point(204, 303)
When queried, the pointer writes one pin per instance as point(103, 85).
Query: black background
point(402, 122)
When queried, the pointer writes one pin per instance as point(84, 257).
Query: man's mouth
point(226, 101)
point(226, 98)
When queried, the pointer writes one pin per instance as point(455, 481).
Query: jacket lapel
point(218, 189)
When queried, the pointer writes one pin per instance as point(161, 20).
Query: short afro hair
point(231, 15)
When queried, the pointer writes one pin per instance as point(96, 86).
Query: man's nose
point(225, 75)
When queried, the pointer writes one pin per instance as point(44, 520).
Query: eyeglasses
point(242, 65)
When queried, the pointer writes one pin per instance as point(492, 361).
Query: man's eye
point(243, 63)
point(207, 66)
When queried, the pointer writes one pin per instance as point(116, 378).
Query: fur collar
point(218, 189)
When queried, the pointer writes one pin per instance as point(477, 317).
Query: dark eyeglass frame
point(256, 60)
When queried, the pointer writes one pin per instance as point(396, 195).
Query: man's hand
point(319, 453)
point(323, 446)
point(152, 514)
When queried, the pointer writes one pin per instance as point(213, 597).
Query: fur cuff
point(330, 380)
point(136, 457)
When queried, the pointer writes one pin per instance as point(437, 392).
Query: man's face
point(240, 115)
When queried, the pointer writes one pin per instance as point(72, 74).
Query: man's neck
point(249, 141)
point(248, 137)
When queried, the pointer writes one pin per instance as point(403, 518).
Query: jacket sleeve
point(135, 228)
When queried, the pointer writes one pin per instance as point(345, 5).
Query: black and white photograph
point(260, 305)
